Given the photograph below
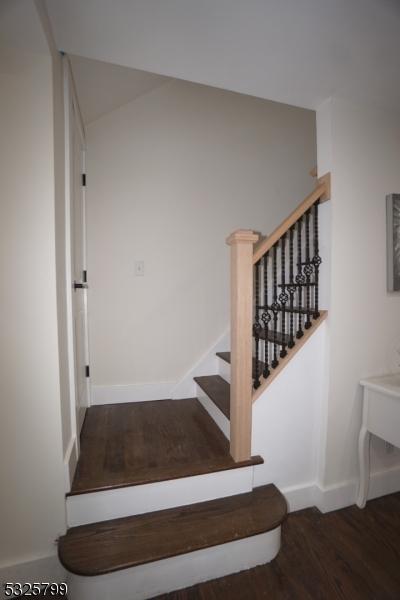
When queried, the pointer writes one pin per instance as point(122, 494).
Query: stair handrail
point(321, 193)
point(246, 253)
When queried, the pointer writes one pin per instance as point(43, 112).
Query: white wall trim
point(206, 365)
point(185, 388)
point(215, 413)
point(224, 369)
point(46, 568)
point(161, 495)
point(70, 462)
point(177, 572)
point(344, 494)
point(135, 392)
point(68, 246)
point(299, 496)
point(341, 495)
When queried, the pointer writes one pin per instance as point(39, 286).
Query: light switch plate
point(139, 268)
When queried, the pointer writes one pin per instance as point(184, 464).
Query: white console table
point(381, 417)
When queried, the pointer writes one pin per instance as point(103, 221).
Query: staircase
point(163, 494)
point(158, 504)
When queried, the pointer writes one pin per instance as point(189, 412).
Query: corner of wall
point(184, 388)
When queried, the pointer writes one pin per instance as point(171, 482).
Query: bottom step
point(142, 556)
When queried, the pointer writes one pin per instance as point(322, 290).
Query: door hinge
point(84, 278)
point(87, 371)
point(84, 179)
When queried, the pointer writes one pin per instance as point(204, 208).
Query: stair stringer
point(206, 365)
point(215, 413)
point(287, 423)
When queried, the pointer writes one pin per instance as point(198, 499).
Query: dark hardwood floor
point(350, 554)
point(218, 390)
point(142, 442)
point(104, 547)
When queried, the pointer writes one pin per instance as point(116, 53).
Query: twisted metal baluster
point(283, 296)
point(257, 326)
point(266, 317)
point(316, 261)
point(299, 280)
point(308, 270)
point(291, 289)
point(275, 308)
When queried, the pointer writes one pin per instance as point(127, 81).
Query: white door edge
point(69, 100)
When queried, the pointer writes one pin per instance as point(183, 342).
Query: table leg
point(363, 456)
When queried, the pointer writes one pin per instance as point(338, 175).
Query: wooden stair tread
point(158, 475)
point(109, 546)
point(281, 339)
point(226, 356)
point(297, 285)
point(218, 390)
point(184, 442)
point(294, 310)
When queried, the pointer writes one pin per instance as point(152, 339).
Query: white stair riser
point(135, 500)
point(160, 577)
point(214, 412)
point(224, 369)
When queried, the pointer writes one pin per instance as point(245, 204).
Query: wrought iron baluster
point(316, 261)
point(283, 296)
point(257, 326)
point(299, 280)
point(308, 270)
point(275, 307)
point(291, 289)
point(266, 317)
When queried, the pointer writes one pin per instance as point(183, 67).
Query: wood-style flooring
point(104, 547)
point(143, 442)
point(218, 390)
point(350, 554)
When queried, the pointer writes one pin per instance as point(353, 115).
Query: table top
point(388, 384)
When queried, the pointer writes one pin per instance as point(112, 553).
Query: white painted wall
point(170, 175)
point(286, 424)
point(103, 87)
point(360, 145)
point(32, 491)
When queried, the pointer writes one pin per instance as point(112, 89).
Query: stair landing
point(145, 442)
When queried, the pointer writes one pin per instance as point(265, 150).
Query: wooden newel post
point(241, 243)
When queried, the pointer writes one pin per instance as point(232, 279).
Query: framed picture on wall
point(393, 242)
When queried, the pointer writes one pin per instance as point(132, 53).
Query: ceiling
point(21, 28)
point(103, 87)
point(294, 51)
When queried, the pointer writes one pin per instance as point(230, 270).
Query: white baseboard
point(178, 572)
point(135, 392)
point(344, 494)
point(35, 571)
point(340, 495)
point(335, 497)
point(161, 495)
point(384, 482)
point(70, 462)
point(299, 496)
point(142, 392)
